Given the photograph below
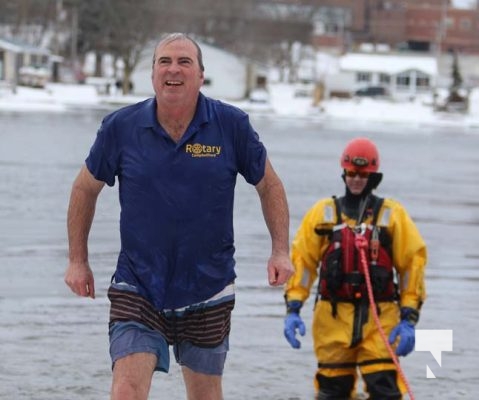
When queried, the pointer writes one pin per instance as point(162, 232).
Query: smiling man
point(176, 157)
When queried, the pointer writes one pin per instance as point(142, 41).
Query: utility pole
point(74, 35)
point(441, 30)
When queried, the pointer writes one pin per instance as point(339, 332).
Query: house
point(402, 76)
point(227, 76)
point(21, 63)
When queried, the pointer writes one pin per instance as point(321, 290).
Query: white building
point(227, 76)
point(401, 75)
point(20, 62)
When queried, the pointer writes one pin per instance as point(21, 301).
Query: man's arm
point(276, 214)
point(81, 210)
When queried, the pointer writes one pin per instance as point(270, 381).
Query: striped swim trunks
point(204, 324)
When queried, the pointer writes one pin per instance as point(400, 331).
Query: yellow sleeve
point(308, 248)
point(409, 253)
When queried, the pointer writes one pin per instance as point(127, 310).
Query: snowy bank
point(282, 103)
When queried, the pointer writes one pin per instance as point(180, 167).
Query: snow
point(282, 103)
point(387, 63)
point(467, 4)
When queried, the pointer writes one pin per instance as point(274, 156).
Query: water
point(53, 345)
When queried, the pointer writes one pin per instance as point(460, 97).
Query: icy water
point(53, 345)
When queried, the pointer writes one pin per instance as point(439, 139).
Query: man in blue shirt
point(176, 157)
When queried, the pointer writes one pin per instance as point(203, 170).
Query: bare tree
point(263, 30)
point(27, 20)
point(121, 28)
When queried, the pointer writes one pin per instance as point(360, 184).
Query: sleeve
point(101, 161)
point(409, 257)
point(250, 151)
point(307, 249)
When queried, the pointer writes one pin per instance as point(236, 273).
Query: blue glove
point(292, 323)
point(405, 331)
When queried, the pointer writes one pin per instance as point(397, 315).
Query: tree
point(263, 30)
point(93, 30)
point(456, 77)
point(457, 100)
point(121, 28)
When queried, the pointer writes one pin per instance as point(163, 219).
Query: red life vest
point(341, 271)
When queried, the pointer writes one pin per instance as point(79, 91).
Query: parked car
point(259, 95)
point(35, 76)
point(304, 89)
point(371, 91)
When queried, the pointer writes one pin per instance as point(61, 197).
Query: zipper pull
point(374, 245)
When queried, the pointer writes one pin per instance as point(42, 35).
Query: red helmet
point(360, 154)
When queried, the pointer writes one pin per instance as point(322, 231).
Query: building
point(21, 63)
point(423, 25)
point(401, 76)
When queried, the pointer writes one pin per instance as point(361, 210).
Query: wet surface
point(54, 345)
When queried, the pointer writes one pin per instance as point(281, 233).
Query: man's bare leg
point(132, 376)
point(202, 386)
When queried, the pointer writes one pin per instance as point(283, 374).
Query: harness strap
point(337, 206)
point(377, 204)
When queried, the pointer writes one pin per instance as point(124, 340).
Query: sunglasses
point(353, 174)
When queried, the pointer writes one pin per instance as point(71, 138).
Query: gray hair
point(171, 37)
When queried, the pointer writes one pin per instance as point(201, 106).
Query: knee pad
point(335, 387)
point(382, 385)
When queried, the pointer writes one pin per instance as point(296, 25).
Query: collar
point(148, 113)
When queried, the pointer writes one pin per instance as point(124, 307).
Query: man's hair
point(171, 37)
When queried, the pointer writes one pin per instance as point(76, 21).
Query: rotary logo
point(202, 150)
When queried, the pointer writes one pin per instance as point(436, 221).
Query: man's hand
point(79, 277)
point(293, 323)
point(280, 269)
point(406, 332)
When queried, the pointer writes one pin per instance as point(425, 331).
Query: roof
point(19, 47)
point(391, 64)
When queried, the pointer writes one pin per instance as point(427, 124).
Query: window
point(403, 80)
point(331, 28)
point(422, 80)
point(384, 78)
point(449, 23)
point(465, 24)
point(363, 77)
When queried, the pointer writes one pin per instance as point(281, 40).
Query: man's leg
point(132, 376)
point(202, 386)
point(335, 377)
point(339, 387)
point(202, 369)
point(383, 385)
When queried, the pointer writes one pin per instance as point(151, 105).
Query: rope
point(362, 245)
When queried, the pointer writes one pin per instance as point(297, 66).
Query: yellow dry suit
point(345, 335)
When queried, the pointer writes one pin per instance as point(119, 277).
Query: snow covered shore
point(282, 103)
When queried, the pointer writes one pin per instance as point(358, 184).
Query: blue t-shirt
point(176, 221)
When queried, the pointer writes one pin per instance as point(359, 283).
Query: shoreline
point(59, 98)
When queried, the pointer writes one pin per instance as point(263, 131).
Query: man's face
point(356, 181)
point(177, 76)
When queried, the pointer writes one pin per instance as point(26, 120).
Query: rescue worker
point(345, 336)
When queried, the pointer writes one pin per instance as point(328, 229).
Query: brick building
point(423, 25)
